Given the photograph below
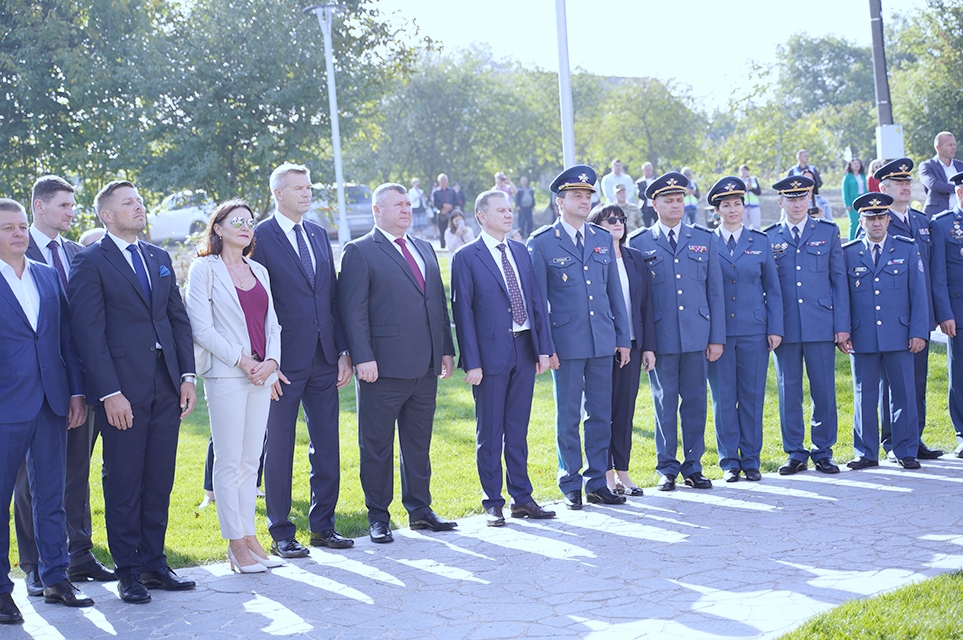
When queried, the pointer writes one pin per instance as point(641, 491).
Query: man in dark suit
point(297, 255)
point(935, 175)
point(41, 386)
point(396, 320)
point(135, 341)
point(53, 212)
point(503, 343)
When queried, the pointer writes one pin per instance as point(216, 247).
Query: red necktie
point(410, 259)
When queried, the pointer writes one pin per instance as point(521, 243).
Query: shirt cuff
point(111, 395)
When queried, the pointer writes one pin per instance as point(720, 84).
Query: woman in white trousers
point(238, 351)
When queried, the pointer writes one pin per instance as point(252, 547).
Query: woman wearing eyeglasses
point(238, 350)
point(625, 380)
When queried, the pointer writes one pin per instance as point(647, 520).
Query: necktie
point(578, 243)
point(731, 244)
point(795, 234)
point(410, 259)
point(876, 253)
point(140, 270)
point(58, 264)
point(304, 254)
point(514, 293)
point(672, 242)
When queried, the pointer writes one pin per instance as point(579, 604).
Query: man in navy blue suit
point(135, 341)
point(502, 334)
point(297, 255)
point(41, 385)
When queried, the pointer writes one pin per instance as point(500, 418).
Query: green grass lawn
point(930, 609)
point(194, 537)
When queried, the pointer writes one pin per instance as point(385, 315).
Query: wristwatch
point(344, 353)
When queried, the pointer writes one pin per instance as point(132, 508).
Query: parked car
point(179, 215)
point(324, 210)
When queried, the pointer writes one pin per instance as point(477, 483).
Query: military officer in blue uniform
point(576, 272)
point(809, 261)
point(889, 314)
point(896, 180)
point(690, 329)
point(754, 318)
point(946, 272)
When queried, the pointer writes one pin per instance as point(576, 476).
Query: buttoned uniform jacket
point(218, 323)
point(888, 303)
point(583, 293)
point(946, 262)
point(687, 291)
point(749, 271)
point(812, 275)
point(937, 188)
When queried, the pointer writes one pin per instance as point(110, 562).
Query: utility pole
point(565, 87)
point(889, 136)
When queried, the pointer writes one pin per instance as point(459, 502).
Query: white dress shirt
point(665, 230)
point(122, 245)
point(287, 226)
point(726, 234)
point(492, 245)
point(571, 231)
point(950, 171)
point(420, 261)
point(24, 290)
point(43, 240)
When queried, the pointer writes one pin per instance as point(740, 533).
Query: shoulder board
point(942, 215)
point(638, 232)
point(825, 221)
point(540, 230)
point(757, 231)
point(770, 227)
point(702, 228)
point(905, 239)
point(852, 242)
point(917, 211)
point(597, 227)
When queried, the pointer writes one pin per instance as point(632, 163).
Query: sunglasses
point(237, 222)
point(615, 219)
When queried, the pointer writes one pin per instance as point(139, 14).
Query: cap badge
point(583, 177)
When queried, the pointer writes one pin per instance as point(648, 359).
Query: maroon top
point(254, 303)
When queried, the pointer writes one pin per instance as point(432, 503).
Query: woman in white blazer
point(238, 351)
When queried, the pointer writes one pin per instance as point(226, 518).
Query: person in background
point(936, 175)
point(819, 207)
point(444, 200)
point(692, 196)
point(872, 184)
point(460, 195)
point(525, 205)
point(418, 208)
point(502, 183)
point(637, 298)
point(615, 177)
point(854, 185)
point(458, 234)
point(753, 214)
point(91, 236)
point(233, 320)
point(645, 205)
point(802, 164)
point(630, 210)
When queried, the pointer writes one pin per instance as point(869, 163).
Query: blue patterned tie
point(140, 271)
point(304, 254)
point(514, 293)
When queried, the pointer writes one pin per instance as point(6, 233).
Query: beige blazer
point(219, 325)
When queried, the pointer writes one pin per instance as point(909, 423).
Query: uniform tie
point(58, 264)
point(876, 253)
point(795, 234)
point(514, 293)
point(410, 259)
point(140, 270)
point(672, 242)
point(304, 254)
point(731, 244)
point(578, 243)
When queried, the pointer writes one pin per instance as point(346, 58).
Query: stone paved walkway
point(744, 560)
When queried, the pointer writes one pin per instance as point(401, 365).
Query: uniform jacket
point(752, 293)
point(946, 265)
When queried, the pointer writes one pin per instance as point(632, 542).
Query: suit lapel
point(428, 257)
point(488, 260)
point(117, 260)
point(807, 232)
point(153, 270)
point(320, 251)
point(6, 293)
point(288, 249)
point(219, 271)
point(662, 239)
point(393, 254)
point(34, 252)
point(566, 242)
point(898, 227)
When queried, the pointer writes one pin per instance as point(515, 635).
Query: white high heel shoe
point(268, 563)
point(250, 568)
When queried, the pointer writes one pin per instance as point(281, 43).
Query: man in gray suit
point(396, 321)
point(935, 175)
point(53, 212)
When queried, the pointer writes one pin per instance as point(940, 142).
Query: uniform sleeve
point(541, 279)
point(715, 295)
point(773, 290)
point(941, 293)
point(839, 286)
point(919, 305)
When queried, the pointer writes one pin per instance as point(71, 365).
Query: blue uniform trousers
point(867, 368)
point(593, 377)
point(679, 375)
point(738, 384)
point(503, 405)
point(820, 361)
point(43, 442)
point(920, 372)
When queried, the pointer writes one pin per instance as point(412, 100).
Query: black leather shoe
point(91, 570)
point(862, 463)
point(67, 594)
point(380, 532)
point(34, 586)
point(289, 548)
point(132, 590)
point(666, 483)
point(531, 510)
point(604, 495)
point(431, 521)
point(925, 453)
point(573, 500)
point(495, 517)
point(731, 475)
point(166, 579)
point(909, 463)
point(792, 466)
point(698, 481)
point(826, 466)
point(753, 475)
point(9, 613)
point(331, 539)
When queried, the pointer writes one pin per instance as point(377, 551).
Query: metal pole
point(325, 13)
point(565, 87)
point(884, 108)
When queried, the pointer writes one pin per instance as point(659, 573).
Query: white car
point(178, 216)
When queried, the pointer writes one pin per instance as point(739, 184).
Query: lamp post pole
point(565, 87)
